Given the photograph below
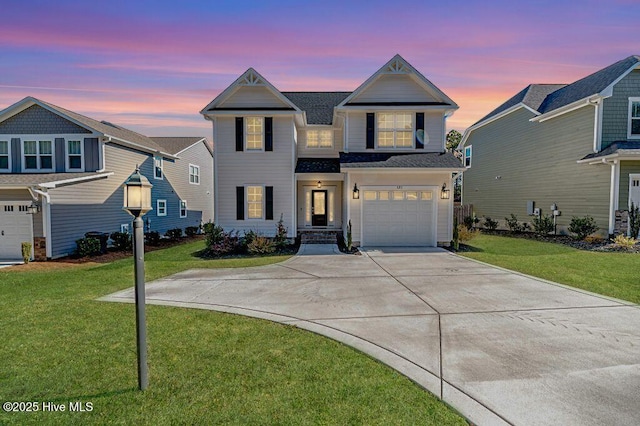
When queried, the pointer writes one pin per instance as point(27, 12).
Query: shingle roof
point(174, 145)
point(317, 105)
point(548, 97)
point(615, 147)
point(31, 179)
point(318, 165)
point(439, 160)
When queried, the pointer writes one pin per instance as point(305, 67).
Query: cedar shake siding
point(38, 120)
point(615, 112)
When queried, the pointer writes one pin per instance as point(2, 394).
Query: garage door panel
point(405, 218)
point(15, 228)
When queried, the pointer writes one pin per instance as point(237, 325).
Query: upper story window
point(634, 118)
point(37, 155)
point(254, 202)
point(467, 155)
point(395, 130)
point(194, 174)
point(74, 155)
point(161, 207)
point(319, 138)
point(157, 168)
point(254, 133)
point(5, 156)
point(183, 208)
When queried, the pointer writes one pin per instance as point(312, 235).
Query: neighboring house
point(374, 157)
point(576, 146)
point(72, 168)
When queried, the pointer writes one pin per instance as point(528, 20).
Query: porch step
point(318, 237)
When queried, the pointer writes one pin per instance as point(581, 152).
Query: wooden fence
point(462, 211)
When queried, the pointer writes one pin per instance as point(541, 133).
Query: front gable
point(37, 120)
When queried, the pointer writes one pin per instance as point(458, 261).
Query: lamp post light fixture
point(137, 202)
point(356, 192)
point(445, 193)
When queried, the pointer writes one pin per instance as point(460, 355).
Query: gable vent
point(397, 67)
point(252, 79)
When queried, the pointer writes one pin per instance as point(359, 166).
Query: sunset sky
point(152, 65)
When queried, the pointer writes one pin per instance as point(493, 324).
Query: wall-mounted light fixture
point(319, 184)
point(33, 208)
point(445, 193)
point(356, 192)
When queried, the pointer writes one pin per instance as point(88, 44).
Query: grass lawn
point(59, 345)
point(611, 274)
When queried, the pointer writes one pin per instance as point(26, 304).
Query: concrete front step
point(318, 237)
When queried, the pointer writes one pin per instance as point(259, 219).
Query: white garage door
point(399, 217)
point(15, 228)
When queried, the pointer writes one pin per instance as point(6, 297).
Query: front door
point(319, 208)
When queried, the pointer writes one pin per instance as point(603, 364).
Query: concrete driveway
point(500, 347)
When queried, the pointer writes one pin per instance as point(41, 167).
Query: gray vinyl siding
point(626, 168)
point(253, 96)
point(433, 128)
point(243, 168)
point(615, 112)
point(515, 160)
point(38, 120)
point(394, 88)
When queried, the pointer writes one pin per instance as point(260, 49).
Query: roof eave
point(139, 147)
point(55, 184)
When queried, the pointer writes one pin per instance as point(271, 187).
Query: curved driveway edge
point(500, 347)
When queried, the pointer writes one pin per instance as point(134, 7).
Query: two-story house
point(374, 157)
point(61, 175)
point(572, 146)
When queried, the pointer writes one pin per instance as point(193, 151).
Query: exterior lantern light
point(356, 192)
point(137, 202)
point(34, 208)
point(319, 184)
point(445, 193)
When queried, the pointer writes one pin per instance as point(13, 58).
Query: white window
point(5, 156)
point(75, 159)
point(161, 207)
point(255, 202)
point(254, 133)
point(157, 168)
point(37, 155)
point(370, 195)
point(183, 208)
point(395, 130)
point(319, 138)
point(634, 118)
point(124, 227)
point(467, 156)
point(194, 174)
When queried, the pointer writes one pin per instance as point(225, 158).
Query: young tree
point(453, 139)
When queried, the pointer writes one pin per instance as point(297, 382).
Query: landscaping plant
point(349, 237)
point(623, 242)
point(583, 226)
point(470, 221)
point(152, 238)
point(121, 240)
point(542, 224)
point(26, 252)
point(261, 245)
point(280, 239)
point(515, 226)
point(212, 233)
point(87, 247)
point(227, 243)
point(490, 224)
point(465, 234)
point(456, 237)
point(190, 231)
point(634, 220)
point(174, 234)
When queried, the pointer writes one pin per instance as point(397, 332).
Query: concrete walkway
point(500, 347)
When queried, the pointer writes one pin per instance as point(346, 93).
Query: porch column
point(614, 194)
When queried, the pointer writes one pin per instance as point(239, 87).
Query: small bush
point(152, 238)
point(261, 245)
point(87, 247)
point(247, 239)
point(624, 242)
point(349, 237)
point(174, 234)
point(190, 231)
point(213, 233)
point(542, 224)
point(121, 241)
point(456, 235)
point(634, 220)
point(594, 239)
point(280, 239)
point(490, 224)
point(26, 252)
point(228, 243)
point(515, 226)
point(582, 226)
point(470, 221)
point(465, 234)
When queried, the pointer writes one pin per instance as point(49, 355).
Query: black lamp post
point(137, 202)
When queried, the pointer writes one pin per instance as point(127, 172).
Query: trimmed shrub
point(624, 242)
point(247, 239)
point(490, 224)
point(212, 233)
point(174, 234)
point(470, 221)
point(87, 247)
point(190, 231)
point(280, 241)
point(349, 237)
point(26, 252)
point(465, 234)
point(594, 239)
point(542, 224)
point(515, 226)
point(152, 238)
point(582, 226)
point(227, 243)
point(261, 245)
point(121, 241)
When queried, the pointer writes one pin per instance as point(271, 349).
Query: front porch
point(319, 205)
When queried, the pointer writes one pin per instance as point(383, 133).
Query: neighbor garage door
point(15, 228)
point(393, 217)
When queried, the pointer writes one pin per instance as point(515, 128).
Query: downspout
point(46, 219)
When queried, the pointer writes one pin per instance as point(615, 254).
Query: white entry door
point(392, 217)
point(15, 228)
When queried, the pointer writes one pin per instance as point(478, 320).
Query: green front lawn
point(60, 345)
point(611, 274)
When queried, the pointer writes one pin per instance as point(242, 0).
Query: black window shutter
point(239, 134)
point(419, 130)
point(268, 133)
point(268, 214)
point(240, 202)
point(371, 130)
